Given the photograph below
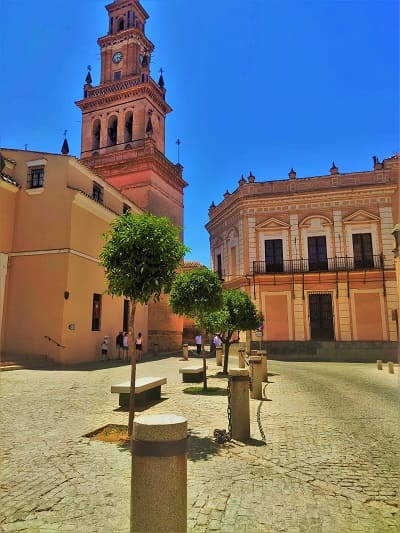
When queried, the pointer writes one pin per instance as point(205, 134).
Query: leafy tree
point(238, 313)
point(140, 258)
point(195, 293)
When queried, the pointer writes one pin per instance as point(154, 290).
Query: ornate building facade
point(315, 254)
point(123, 136)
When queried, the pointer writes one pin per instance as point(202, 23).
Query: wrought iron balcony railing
point(332, 264)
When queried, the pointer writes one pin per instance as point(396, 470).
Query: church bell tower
point(123, 136)
point(123, 118)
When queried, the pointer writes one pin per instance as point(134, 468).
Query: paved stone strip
point(330, 463)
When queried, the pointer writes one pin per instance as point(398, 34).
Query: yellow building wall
point(277, 317)
point(36, 285)
point(8, 198)
point(368, 316)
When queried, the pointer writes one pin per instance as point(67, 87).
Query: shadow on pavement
point(202, 448)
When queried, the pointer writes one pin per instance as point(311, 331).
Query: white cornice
point(56, 251)
point(8, 186)
point(93, 207)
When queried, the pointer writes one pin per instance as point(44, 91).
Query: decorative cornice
point(239, 203)
point(115, 93)
point(154, 160)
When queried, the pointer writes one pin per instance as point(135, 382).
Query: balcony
point(333, 264)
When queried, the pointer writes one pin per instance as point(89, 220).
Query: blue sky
point(260, 85)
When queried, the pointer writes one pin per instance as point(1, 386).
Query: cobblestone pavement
point(330, 464)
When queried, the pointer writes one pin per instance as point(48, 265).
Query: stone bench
point(192, 374)
point(146, 389)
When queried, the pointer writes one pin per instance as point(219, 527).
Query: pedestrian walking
point(125, 346)
point(104, 348)
point(198, 342)
point(119, 344)
point(217, 341)
point(139, 346)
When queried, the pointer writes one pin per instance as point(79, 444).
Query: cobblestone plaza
point(330, 463)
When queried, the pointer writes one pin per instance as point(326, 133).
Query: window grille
point(35, 177)
point(97, 193)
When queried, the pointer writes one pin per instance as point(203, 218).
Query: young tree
point(238, 313)
point(140, 258)
point(195, 293)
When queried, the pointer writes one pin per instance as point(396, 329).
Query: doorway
point(321, 316)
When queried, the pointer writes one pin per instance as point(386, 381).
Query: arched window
point(128, 135)
point(96, 131)
point(112, 130)
point(121, 24)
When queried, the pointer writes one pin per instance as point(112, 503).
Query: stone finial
point(377, 164)
point(227, 193)
point(334, 169)
point(242, 181)
point(65, 147)
point(161, 82)
point(251, 178)
point(292, 174)
point(88, 79)
point(212, 206)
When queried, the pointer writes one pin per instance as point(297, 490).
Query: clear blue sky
point(260, 85)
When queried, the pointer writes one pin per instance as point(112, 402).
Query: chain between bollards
point(263, 437)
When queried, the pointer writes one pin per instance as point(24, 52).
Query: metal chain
point(229, 408)
point(221, 435)
point(264, 438)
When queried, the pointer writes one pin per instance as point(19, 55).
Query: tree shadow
point(202, 448)
point(218, 375)
point(211, 391)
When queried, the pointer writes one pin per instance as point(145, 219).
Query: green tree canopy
point(141, 256)
point(238, 313)
point(195, 292)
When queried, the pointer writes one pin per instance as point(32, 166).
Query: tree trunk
point(133, 367)
point(204, 370)
point(226, 356)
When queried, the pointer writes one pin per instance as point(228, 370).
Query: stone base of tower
point(164, 328)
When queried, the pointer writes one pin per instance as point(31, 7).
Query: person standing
point(119, 344)
point(139, 346)
point(198, 342)
point(125, 346)
point(217, 341)
point(104, 348)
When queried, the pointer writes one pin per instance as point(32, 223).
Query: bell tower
point(123, 136)
point(123, 118)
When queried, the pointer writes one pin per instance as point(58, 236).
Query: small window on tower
point(117, 75)
point(121, 24)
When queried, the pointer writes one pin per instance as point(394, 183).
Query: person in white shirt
point(198, 342)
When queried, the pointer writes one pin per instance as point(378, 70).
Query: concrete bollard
point(264, 364)
point(159, 474)
point(218, 355)
point(239, 403)
point(185, 352)
point(256, 377)
point(379, 364)
point(390, 367)
point(241, 359)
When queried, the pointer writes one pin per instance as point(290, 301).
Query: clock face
point(117, 57)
